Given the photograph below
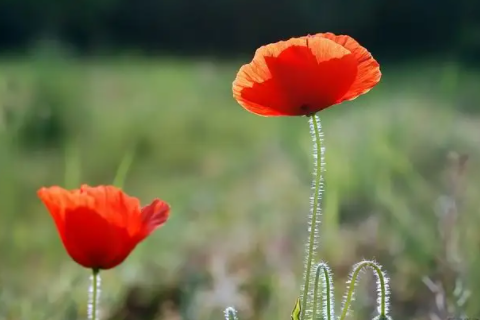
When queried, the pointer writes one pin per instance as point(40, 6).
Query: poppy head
point(302, 76)
point(100, 226)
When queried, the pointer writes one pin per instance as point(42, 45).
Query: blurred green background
point(88, 87)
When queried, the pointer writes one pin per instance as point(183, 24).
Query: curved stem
point(382, 288)
point(328, 310)
point(94, 295)
point(314, 211)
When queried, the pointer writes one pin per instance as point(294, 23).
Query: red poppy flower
point(100, 226)
point(302, 76)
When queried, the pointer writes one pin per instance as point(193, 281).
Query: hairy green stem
point(382, 288)
point(314, 213)
point(327, 306)
point(94, 293)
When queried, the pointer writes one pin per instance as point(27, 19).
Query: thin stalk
point(94, 295)
point(314, 211)
point(327, 310)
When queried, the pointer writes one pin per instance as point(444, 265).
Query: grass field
point(239, 187)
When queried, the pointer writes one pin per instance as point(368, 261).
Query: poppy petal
point(254, 87)
point(336, 72)
point(368, 74)
point(114, 204)
point(56, 200)
point(155, 214)
point(93, 242)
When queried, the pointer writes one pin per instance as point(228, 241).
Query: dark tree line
point(237, 26)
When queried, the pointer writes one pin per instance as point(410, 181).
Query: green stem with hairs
point(94, 295)
point(381, 282)
point(321, 267)
point(311, 240)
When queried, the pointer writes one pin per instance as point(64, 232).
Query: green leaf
point(296, 310)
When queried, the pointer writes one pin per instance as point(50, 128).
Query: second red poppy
point(100, 226)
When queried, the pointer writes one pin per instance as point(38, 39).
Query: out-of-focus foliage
point(239, 187)
point(401, 28)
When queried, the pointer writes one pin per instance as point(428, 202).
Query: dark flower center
point(306, 110)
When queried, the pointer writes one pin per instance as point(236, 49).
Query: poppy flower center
point(306, 109)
